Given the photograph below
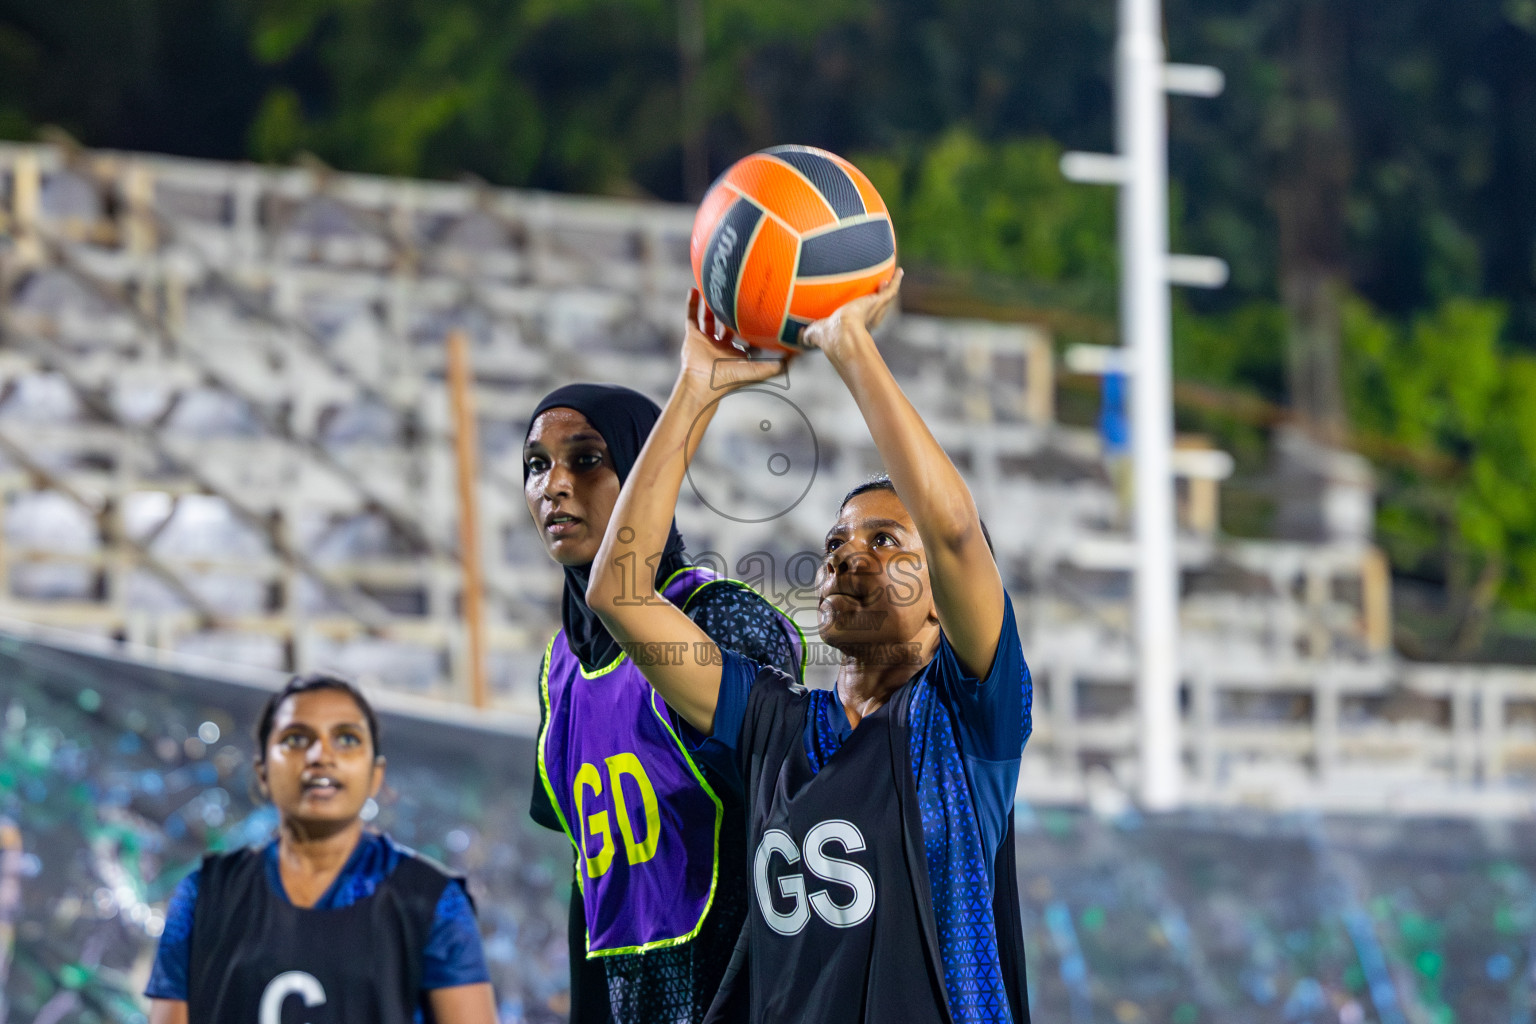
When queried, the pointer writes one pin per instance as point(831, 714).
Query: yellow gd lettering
point(620, 765)
point(588, 778)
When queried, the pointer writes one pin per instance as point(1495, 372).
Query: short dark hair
point(874, 483)
point(883, 483)
point(309, 683)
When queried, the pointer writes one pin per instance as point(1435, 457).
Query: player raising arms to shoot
point(879, 813)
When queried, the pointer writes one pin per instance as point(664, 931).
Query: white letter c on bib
point(290, 983)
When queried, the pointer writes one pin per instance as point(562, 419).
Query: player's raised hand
point(853, 320)
point(713, 357)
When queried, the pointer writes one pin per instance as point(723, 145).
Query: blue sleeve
point(739, 619)
point(993, 713)
point(173, 959)
point(453, 955)
point(750, 632)
point(993, 722)
point(737, 674)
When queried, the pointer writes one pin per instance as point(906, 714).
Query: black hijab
point(624, 418)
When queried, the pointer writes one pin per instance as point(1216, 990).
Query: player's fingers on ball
point(693, 305)
point(884, 298)
point(886, 293)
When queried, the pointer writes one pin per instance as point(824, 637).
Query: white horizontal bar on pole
point(1193, 80)
point(1197, 271)
point(1098, 360)
point(1093, 168)
point(1202, 463)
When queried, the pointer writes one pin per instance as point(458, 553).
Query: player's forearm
point(624, 569)
point(167, 1011)
point(623, 585)
point(932, 489)
point(464, 1004)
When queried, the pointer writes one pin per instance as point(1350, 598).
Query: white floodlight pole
point(1142, 82)
point(1142, 113)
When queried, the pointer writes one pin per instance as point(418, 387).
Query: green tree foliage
point(576, 94)
point(164, 75)
point(999, 209)
point(1445, 385)
point(584, 95)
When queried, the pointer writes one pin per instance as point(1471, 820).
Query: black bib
point(257, 959)
point(841, 926)
point(837, 967)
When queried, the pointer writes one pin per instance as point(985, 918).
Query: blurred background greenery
point(1370, 174)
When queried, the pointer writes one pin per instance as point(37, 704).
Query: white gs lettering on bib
point(822, 865)
point(290, 983)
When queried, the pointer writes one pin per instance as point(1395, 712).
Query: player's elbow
point(953, 522)
point(604, 591)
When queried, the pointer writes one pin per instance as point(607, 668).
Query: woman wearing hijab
point(879, 812)
point(655, 817)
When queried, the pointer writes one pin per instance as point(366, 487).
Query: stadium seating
point(225, 431)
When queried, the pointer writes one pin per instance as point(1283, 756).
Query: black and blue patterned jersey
point(966, 739)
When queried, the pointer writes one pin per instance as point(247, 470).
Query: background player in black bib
point(345, 923)
point(879, 813)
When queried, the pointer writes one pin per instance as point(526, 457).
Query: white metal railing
point(1340, 736)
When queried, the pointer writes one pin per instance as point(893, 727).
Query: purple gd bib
point(645, 823)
